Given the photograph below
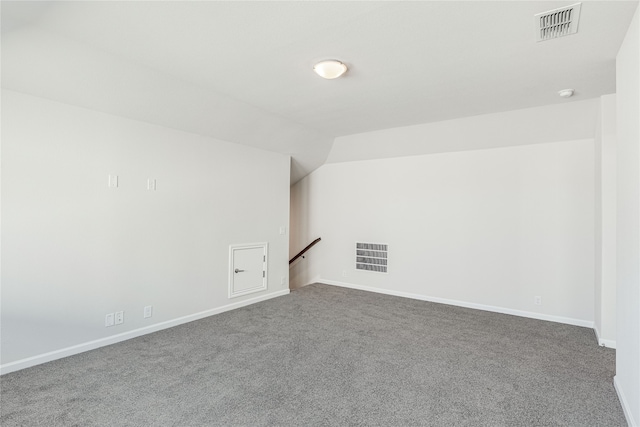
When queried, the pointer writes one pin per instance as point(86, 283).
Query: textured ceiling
point(241, 71)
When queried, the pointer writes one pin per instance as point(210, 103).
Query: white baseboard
point(625, 404)
point(503, 310)
point(91, 345)
point(603, 342)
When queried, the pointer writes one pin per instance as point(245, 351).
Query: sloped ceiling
point(241, 71)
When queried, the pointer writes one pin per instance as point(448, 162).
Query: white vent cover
point(371, 257)
point(557, 22)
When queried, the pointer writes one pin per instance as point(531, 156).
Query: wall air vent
point(557, 22)
point(371, 257)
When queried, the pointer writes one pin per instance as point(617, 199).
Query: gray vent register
point(371, 257)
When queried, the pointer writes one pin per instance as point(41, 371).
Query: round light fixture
point(566, 93)
point(330, 69)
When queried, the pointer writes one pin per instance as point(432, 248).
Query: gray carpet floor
point(329, 356)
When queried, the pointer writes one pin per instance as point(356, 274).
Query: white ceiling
point(241, 71)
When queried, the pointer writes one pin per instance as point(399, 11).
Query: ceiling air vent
point(371, 257)
point(557, 22)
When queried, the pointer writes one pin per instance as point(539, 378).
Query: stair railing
point(302, 252)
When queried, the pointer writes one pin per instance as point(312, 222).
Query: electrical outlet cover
point(119, 317)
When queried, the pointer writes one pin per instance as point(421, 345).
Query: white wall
point(74, 250)
point(627, 378)
point(81, 74)
point(488, 228)
point(571, 120)
point(605, 222)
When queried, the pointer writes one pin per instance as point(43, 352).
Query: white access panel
point(247, 268)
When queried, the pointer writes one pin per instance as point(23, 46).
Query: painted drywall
point(487, 228)
point(74, 249)
point(627, 379)
point(571, 120)
point(76, 73)
point(605, 222)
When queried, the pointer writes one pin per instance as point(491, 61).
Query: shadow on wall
point(299, 233)
point(297, 273)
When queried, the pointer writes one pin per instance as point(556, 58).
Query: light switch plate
point(109, 320)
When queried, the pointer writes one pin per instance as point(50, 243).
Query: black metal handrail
point(302, 252)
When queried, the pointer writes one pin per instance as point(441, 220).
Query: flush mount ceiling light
point(330, 69)
point(566, 93)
